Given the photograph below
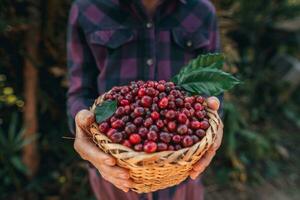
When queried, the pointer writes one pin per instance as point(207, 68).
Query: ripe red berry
point(152, 135)
point(125, 118)
point(165, 137)
point(200, 99)
point(179, 102)
point(160, 87)
point(163, 103)
point(178, 147)
point(195, 125)
point(171, 105)
point(187, 105)
point(128, 97)
point(171, 126)
point(195, 139)
point(135, 138)
point(182, 118)
point(130, 128)
point(171, 148)
point(120, 111)
point(151, 92)
point(116, 137)
point(200, 133)
point(138, 147)
point(198, 106)
point(162, 146)
point(124, 102)
point(146, 101)
point(155, 115)
point(153, 128)
point(124, 90)
point(186, 112)
point(162, 95)
point(160, 123)
point(138, 121)
point(150, 83)
point(189, 100)
point(141, 92)
point(148, 122)
point(200, 114)
point(112, 119)
point(170, 114)
point(139, 111)
point(150, 147)
point(127, 109)
point(204, 125)
point(103, 127)
point(182, 129)
point(187, 141)
point(143, 132)
point(110, 132)
point(117, 124)
point(126, 143)
point(176, 138)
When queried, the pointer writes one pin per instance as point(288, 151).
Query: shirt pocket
point(190, 41)
point(111, 38)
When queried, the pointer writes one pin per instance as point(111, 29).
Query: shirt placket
point(150, 58)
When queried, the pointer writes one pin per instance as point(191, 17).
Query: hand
point(201, 165)
point(105, 163)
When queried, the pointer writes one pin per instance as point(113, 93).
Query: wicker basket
point(151, 172)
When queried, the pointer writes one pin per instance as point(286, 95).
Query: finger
point(89, 151)
point(194, 174)
point(213, 103)
point(117, 181)
point(218, 141)
point(118, 184)
point(84, 118)
point(115, 171)
point(204, 161)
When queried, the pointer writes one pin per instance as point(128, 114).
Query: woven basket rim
point(143, 154)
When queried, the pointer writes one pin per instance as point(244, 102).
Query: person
point(113, 42)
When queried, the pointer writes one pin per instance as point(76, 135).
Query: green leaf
point(18, 164)
point(209, 81)
point(210, 60)
point(105, 110)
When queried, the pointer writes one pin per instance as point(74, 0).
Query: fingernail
point(125, 190)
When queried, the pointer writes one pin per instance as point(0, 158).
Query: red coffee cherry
point(135, 138)
point(150, 147)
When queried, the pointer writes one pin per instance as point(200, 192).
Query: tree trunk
point(30, 151)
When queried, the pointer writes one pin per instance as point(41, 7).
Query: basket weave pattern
point(151, 172)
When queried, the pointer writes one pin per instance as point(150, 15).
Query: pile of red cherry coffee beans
point(155, 116)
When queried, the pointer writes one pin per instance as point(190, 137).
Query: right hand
point(105, 163)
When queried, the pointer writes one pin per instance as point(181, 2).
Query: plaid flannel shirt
point(113, 42)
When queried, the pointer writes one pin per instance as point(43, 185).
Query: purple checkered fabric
point(113, 42)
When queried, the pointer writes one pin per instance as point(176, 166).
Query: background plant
point(261, 116)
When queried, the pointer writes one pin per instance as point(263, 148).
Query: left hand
point(202, 164)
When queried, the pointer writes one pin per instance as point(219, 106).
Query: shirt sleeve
point(82, 70)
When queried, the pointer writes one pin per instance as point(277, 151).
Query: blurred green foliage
point(260, 116)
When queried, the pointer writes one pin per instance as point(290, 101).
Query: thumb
point(84, 118)
point(213, 103)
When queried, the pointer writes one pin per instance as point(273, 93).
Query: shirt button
point(189, 43)
point(150, 62)
point(149, 25)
